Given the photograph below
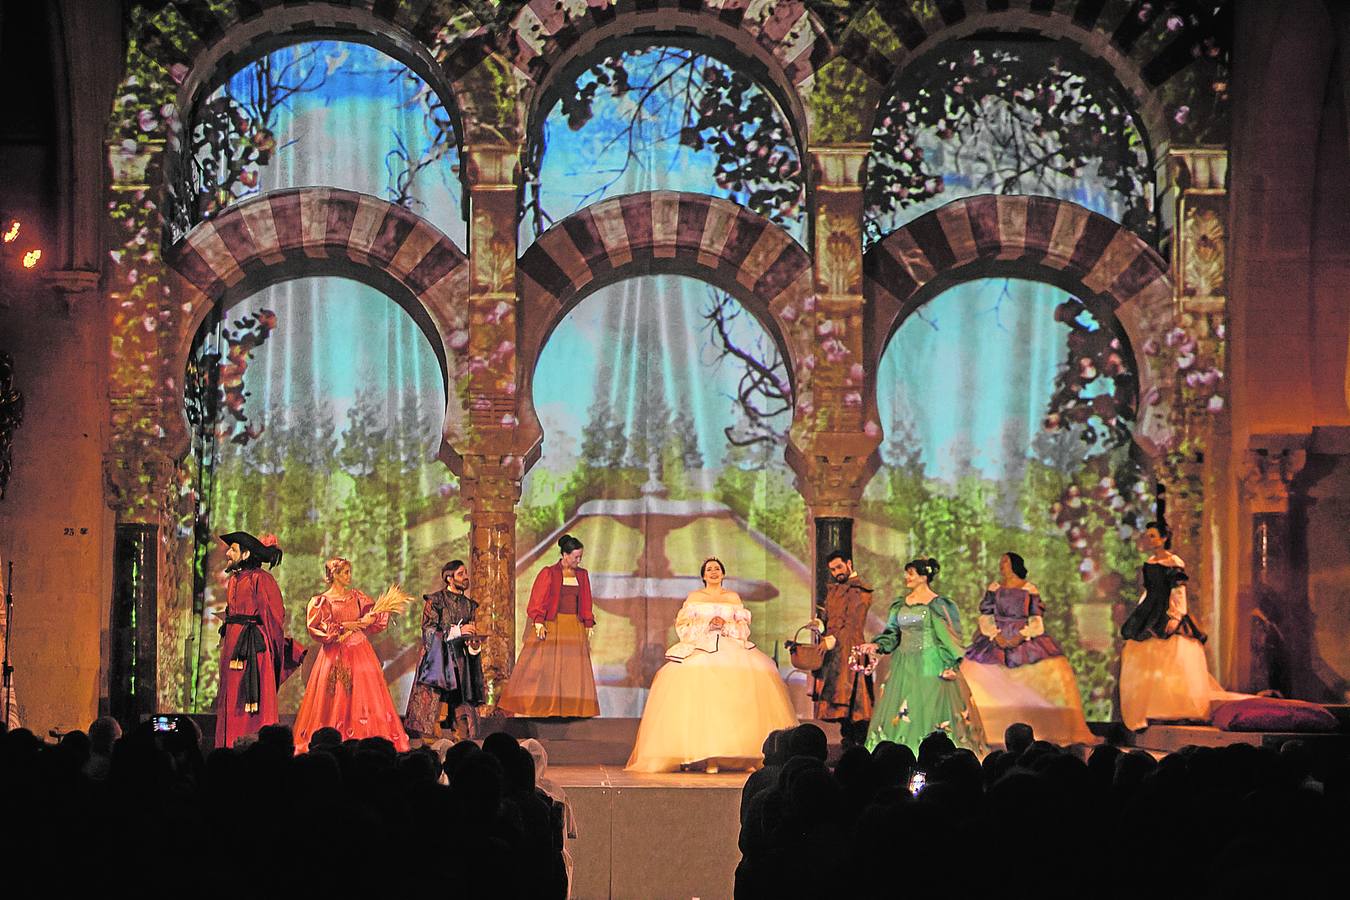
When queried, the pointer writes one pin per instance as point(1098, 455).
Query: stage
point(652, 836)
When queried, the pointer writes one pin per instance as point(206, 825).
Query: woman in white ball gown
point(717, 697)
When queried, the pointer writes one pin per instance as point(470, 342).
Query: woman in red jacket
point(553, 674)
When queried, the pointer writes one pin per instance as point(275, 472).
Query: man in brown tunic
point(844, 695)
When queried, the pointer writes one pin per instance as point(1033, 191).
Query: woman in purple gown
point(1017, 672)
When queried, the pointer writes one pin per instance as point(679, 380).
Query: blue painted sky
point(621, 337)
point(584, 166)
point(341, 133)
point(334, 336)
point(975, 367)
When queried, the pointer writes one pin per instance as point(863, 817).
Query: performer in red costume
point(346, 688)
point(253, 656)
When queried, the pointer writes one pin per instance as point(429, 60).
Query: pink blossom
point(1151, 347)
point(1215, 403)
point(1182, 115)
point(1152, 396)
point(1181, 340)
point(872, 429)
point(1174, 23)
point(788, 314)
point(1220, 331)
point(508, 421)
point(855, 373)
point(1185, 360)
point(809, 304)
point(498, 313)
point(826, 327)
point(149, 323)
point(459, 339)
point(178, 72)
point(809, 363)
point(510, 388)
point(167, 111)
point(853, 398)
point(146, 120)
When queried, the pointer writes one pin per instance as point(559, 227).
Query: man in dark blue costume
point(449, 671)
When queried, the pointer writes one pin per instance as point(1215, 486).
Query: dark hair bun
point(567, 543)
point(927, 568)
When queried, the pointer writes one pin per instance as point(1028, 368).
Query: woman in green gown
point(925, 691)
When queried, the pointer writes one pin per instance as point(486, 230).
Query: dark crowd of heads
point(149, 810)
point(352, 818)
point(1040, 821)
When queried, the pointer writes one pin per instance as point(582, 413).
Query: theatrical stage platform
point(639, 835)
point(652, 836)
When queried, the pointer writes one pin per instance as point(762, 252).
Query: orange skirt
point(553, 677)
point(346, 690)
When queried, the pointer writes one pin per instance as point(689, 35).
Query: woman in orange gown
point(346, 688)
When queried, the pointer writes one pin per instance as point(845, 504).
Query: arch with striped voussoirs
point(308, 232)
point(1040, 239)
point(215, 41)
point(1143, 49)
point(663, 232)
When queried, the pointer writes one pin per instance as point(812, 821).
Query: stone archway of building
point(659, 232)
point(1040, 239)
point(783, 35)
point(912, 40)
point(232, 37)
point(305, 232)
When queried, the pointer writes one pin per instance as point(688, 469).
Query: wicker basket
point(807, 657)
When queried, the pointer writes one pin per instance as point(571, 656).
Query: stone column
point(837, 376)
point(1195, 469)
point(492, 487)
point(833, 450)
point(492, 171)
point(491, 469)
point(1275, 602)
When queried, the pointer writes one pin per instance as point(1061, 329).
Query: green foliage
point(842, 99)
point(766, 499)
